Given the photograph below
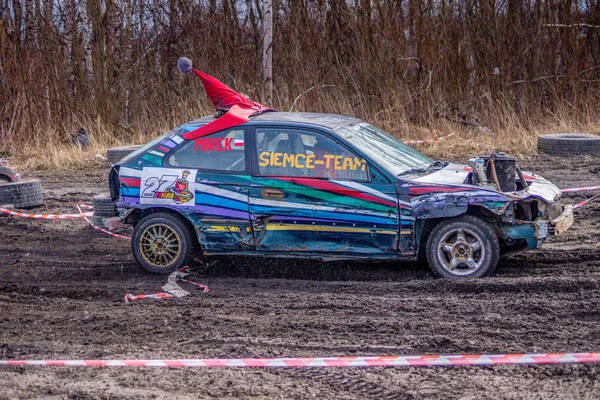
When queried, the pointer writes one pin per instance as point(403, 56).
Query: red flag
point(238, 107)
point(234, 117)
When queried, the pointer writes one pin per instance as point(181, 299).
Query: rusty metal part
point(493, 175)
point(522, 178)
point(271, 193)
point(563, 221)
point(534, 232)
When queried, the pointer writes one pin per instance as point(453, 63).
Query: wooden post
point(267, 49)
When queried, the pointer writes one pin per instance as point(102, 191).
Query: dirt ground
point(62, 287)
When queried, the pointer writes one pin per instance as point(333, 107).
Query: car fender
point(452, 203)
point(441, 202)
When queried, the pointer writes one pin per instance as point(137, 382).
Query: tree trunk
point(268, 49)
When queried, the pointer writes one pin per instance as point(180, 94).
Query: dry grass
point(50, 149)
point(53, 147)
point(494, 73)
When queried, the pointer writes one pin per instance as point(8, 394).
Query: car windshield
point(391, 153)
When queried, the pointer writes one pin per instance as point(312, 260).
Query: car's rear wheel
point(463, 247)
point(162, 242)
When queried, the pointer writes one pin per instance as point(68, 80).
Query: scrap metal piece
point(172, 287)
point(563, 221)
point(541, 232)
point(113, 223)
point(534, 232)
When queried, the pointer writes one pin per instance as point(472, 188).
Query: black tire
point(22, 194)
point(162, 222)
point(569, 144)
point(9, 175)
point(474, 230)
point(116, 154)
point(104, 206)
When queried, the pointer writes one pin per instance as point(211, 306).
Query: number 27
point(155, 184)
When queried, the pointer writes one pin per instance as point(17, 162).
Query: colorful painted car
point(331, 187)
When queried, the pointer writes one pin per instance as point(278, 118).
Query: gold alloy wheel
point(160, 245)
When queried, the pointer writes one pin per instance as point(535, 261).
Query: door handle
point(269, 193)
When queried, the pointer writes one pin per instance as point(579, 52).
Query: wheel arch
point(159, 257)
point(138, 214)
point(481, 230)
point(424, 226)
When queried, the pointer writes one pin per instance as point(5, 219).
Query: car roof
point(331, 121)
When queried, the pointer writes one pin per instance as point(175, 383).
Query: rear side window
point(295, 152)
point(222, 151)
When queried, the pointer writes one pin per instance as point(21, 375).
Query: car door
point(219, 167)
point(309, 193)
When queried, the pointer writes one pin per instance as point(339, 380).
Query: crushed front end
point(534, 212)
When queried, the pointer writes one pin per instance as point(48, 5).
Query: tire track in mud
point(333, 381)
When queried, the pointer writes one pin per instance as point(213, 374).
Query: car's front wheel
point(162, 242)
point(463, 247)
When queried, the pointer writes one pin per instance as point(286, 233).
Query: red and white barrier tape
point(320, 362)
point(171, 289)
point(185, 271)
point(583, 203)
point(581, 189)
point(81, 214)
point(428, 140)
point(180, 274)
point(160, 296)
point(97, 227)
point(46, 216)
point(198, 285)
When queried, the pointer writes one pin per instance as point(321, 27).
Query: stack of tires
point(19, 192)
point(116, 154)
point(104, 208)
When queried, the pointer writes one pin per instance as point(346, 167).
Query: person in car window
point(325, 151)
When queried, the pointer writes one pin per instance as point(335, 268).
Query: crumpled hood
point(540, 188)
point(456, 174)
point(451, 174)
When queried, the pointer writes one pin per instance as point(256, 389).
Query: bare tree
point(64, 61)
point(268, 49)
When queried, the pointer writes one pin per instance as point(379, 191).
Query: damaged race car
point(256, 182)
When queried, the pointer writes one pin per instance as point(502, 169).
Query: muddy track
point(62, 284)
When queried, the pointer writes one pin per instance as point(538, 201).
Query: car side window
point(221, 151)
point(294, 152)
